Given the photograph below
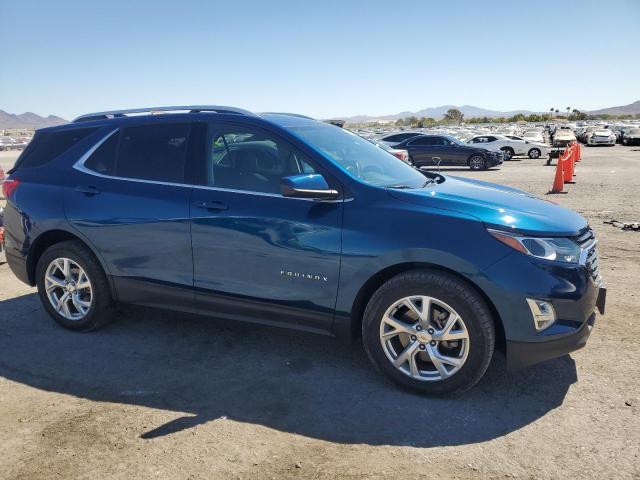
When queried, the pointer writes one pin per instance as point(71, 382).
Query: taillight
point(402, 155)
point(1, 235)
point(9, 186)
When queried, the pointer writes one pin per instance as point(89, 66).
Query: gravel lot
point(165, 395)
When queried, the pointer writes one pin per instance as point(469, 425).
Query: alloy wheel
point(476, 162)
point(424, 338)
point(68, 288)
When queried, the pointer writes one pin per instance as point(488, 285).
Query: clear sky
point(321, 58)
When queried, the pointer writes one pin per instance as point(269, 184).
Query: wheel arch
point(50, 238)
point(378, 279)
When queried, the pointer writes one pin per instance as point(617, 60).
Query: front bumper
point(572, 291)
point(524, 354)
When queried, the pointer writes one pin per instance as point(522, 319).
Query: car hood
point(497, 206)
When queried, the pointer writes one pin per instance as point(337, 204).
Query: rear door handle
point(212, 206)
point(89, 190)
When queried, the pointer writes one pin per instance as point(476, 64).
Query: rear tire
point(534, 153)
point(80, 298)
point(444, 290)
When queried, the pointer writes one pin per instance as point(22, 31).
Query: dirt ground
point(164, 395)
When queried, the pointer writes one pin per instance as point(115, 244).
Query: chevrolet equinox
point(284, 220)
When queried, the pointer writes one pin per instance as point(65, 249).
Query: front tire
point(430, 332)
point(73, 287)
point(477, 162)
point(508, 153)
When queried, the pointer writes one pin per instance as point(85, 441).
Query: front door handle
point(212, 206)
point(89, 190)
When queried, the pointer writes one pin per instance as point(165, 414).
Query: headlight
point(554, 249)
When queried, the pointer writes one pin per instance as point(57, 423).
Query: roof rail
point(287, 113)
point(190, 108)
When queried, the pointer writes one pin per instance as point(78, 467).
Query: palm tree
point(568, 110)
point(551, 110)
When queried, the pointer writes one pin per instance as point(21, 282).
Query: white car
point(602, 137)
point(563, 137)
point(511, 145)
point(533, 136)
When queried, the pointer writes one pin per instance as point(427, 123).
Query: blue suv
point(284, 220)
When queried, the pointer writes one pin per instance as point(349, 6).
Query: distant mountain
point(630, 109)
point(437, 113)
point(28, 120)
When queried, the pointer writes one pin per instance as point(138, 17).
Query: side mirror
point(307, 186)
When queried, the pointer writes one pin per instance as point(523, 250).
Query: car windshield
point(360, 158)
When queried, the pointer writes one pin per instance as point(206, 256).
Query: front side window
point(358, 157)
point(241, 158)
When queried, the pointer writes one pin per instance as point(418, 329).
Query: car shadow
point(290, 381)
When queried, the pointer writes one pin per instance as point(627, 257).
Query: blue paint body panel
point(290, 261)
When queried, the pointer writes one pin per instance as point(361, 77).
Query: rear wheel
point(429, 331)
point(534, 153)
point(73, 287)
point(477, 162)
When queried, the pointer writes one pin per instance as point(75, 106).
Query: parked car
point(602, 137)
point(534, 136)
point(3, 256)
point(443, 150)
point(563, 137)
point(631, 136)
point(301, 224)
point(396, 152)
point(398, 137)
point(511, 145)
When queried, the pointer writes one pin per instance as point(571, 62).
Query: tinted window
point(153, 152)
point(46, 146)
point(251, 160)
point(103, 159)
point(425, 141)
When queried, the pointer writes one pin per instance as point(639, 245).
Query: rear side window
point(425, 141)
point(151, 152)
point(46, 146)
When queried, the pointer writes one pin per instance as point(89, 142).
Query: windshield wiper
point(399, 186)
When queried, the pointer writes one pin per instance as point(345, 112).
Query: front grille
point(587, 241)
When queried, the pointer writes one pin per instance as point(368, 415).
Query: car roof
point(102, 119)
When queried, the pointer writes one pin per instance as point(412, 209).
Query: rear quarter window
point(46, 146)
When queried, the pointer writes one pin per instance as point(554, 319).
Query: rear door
point(258, 255)
point(425, 151)
point(129, 199)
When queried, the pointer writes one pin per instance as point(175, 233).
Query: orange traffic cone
point(568, 168)
point(558, 180)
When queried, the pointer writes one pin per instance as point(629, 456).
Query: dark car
point(631, 136)
point(284, 220)
point(443, 150)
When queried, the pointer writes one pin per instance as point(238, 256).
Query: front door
point(258, 255)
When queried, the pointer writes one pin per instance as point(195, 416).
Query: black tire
point(456, 293)
point(101, 310)
point(508, 153)
point(477, 162)
point(534, 153)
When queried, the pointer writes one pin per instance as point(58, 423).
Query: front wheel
point(508, 153)
point(477, 162)
point(534, 153)
point(429, 331)
point(73, 287)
